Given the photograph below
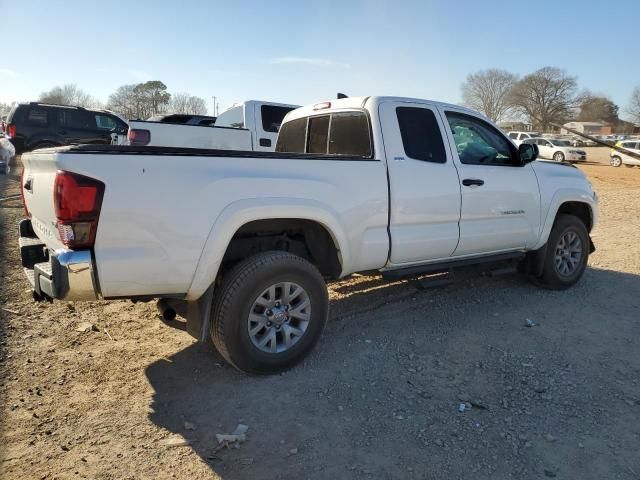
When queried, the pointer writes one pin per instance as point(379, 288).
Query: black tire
point(235, 298)
point(615, 161)
point(558, 157)
point(551, 277)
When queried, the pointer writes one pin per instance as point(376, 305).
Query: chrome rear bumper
point(60, 274)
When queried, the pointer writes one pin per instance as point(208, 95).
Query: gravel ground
point(380, 397)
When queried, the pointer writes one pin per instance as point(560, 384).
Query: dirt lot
point(378, 398)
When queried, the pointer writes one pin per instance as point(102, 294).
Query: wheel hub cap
point(279, 317)
point(568, 254)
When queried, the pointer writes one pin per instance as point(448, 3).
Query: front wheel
point(567, 253)
point(615, 161)
point(269, 312)
point(558, 157)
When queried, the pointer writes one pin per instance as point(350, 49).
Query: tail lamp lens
point(12, 130)
point(139, 137)
point(77, 200)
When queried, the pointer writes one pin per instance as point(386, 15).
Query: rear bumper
point(60, 274)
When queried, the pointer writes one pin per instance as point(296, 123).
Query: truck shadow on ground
point(401, 354)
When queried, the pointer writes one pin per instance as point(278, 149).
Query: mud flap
point(198, 314)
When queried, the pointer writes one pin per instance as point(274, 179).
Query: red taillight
point(24, 202)
point(77, 200)
point(11, 130)
point(139, 137)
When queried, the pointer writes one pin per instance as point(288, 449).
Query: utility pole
point(215, 107)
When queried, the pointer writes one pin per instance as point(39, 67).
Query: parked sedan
point(558, 150)
point(618, 158)
point(7, 154)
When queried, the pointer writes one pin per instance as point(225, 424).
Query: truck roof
point(362, 102)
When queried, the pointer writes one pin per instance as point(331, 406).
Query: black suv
point(38, 125)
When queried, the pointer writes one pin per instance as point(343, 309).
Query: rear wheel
point(269, 312)
point(567, 253)
point(558, 157)
point(615, 161)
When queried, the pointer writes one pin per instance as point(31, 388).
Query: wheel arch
point(572, 203)
point(260, 218)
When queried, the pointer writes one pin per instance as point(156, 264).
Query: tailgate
point(37, 182)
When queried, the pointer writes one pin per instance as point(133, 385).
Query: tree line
point(135, 101)
point(545, 97)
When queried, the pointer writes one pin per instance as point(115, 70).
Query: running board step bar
point(443, 267)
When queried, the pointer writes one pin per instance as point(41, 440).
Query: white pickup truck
point(251, 125)
point(241, 243)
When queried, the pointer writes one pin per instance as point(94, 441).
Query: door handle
point(265, 142)
point(470, 182)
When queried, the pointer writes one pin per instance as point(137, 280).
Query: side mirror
point(527, 152)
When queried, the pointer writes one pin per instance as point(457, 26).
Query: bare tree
point(69, 94)
point(546, 96)
point(123, 101)
point(633, 109)
point(5, 108)
point(185, 103)
point(488, 91)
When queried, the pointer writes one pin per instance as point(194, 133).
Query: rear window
point(272, 117)
point(292, 136)
point(348, 134)
point(37, 117)
point(318, 134)
point(421, 134)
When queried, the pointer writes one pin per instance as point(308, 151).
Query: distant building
point(515, 126)
point(588, 128)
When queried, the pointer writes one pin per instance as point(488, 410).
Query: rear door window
point(76, 119)
point(272, 117)
point(37, 117)
point(421, 135)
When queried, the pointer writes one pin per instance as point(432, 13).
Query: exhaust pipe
point(167, 312)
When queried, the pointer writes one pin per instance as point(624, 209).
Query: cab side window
point(479, 143)
point(421, 136)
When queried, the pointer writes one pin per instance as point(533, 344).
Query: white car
point(7, 154)
point(241, 243)
point(519, 137)
point(558, 150)
point(617, 158)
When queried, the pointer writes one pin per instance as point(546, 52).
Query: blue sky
point(306, 51)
